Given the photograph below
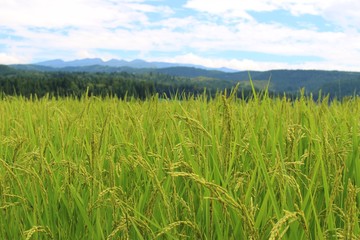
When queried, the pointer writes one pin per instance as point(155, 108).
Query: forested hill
point(335, 83)
point(121, 84)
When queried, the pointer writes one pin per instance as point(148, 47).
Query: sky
point(237, 34)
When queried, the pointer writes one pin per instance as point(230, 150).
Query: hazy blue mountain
point(58, 63)
point(137, 63)
point(116, 63)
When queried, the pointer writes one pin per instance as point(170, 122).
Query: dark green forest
point(119, 84)
point(32, 80)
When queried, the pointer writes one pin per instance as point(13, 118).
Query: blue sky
point(238, 34)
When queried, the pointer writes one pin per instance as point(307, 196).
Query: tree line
point(118, 84)
point(142, 85)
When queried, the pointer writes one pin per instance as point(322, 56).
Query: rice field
point(223, 168)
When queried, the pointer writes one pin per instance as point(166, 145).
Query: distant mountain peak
point(138, 60)
point(51, 61)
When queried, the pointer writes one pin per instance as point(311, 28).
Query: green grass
point(193, 169)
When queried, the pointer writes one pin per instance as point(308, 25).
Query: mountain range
point(137, 64)
point(289, 81)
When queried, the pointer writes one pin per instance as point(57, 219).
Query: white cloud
point(242, 6)
point(343, 13)
point(177, 23)
point(200, 37)
point(248, 64)
point(76, 13)
point(6, 58)
point(80, 28)
point(69, 25)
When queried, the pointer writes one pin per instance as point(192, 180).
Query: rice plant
point(223, 168)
